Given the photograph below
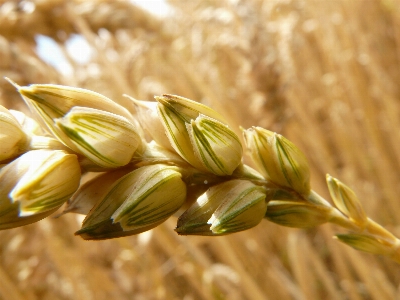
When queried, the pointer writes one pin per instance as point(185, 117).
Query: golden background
point(324, 73)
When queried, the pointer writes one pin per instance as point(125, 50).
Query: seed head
point(367, 243)
point(175, 113)
point(137, 202)
point(278, 159)
point(107, 139)
point(297, 214)
point(49, 102)
point(225, 208)
point(13, 139)
point(215, 145)
point(346, 200)
point(36, 184)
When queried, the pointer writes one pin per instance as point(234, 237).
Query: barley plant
point(215, 185)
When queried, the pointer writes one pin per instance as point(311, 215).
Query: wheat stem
point(370, 227)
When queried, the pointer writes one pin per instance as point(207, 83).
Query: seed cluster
point(169, 156)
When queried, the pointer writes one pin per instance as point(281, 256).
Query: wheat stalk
point(191, 157)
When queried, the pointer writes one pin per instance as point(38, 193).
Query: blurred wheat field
point(325, 74)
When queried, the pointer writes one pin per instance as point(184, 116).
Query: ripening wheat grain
point(321, 74)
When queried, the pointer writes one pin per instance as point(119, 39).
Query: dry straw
point(323, 74)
